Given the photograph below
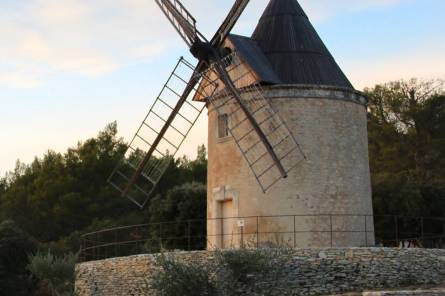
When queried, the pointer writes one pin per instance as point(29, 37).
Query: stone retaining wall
point(407, 293)
point(308, 272)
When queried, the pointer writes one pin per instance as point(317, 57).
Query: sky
point(69, 67)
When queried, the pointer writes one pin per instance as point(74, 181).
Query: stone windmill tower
point(325, 114)
point(282, 115)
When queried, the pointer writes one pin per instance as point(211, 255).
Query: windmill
point(243, 82)
point(224, 80)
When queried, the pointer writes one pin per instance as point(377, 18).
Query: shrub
point(181, 203)
point(234, 272)
point(179, 278)
point(15, 244)
point(64, 245)
point(254, 270)
point(57, 273)
point(243, 263)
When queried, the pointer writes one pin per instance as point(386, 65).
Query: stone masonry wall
point(308, 272)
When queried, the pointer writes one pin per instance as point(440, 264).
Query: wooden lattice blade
point(244, 131)
point(159, 137)
point(228, 23)
point(180, 18)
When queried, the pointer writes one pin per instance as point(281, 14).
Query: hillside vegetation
point(48, 203)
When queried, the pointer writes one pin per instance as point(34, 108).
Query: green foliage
point(178, 278)
point(61, 195)
point(244, 262)
point(183, 170)
point(233, 273)
point(67, 193)
point(60, 247)
point(255, 270)
point(56, 273)
point(15, 244)
point(181, 203)
point(406, 127)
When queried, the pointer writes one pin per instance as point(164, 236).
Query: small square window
point(223, 125)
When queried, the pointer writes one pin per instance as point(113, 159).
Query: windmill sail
point(262, 136)
point(185, 23)
point(230, 21)
point(262, 162)
point(180, 18)
point(159, 136)
point(211, 52)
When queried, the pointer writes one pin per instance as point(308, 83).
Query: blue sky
point(68, 67)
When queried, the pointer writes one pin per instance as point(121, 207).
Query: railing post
point(396, 226)
point(242, 237)
point(188, 235)
point(115, 243)
point(222, 232)
point(295, 233)
point(203, 239)
point(119, 247)
point(82, 248)
point(160, 236)
point(422, 233)
point(137, 244)
point(331, 227)
point(96, 253)
point(443, 231)
point(443, 227)
point(257, 231)
point(366, 231)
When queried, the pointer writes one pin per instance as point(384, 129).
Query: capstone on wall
point(305, 272)
point(330, 190)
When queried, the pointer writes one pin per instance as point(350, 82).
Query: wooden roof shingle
point(294, 49)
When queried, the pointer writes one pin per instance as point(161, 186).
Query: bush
point(178, 278)
point(254, 270)
point(15, 244)
point(234, 272)
point(243, 263)
point(55, 273)
point(181, 203)
point(64, 245)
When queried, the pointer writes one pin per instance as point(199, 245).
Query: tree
point(184, 202)
point(406, 125)
point(66, 192)
point(181, 204)
point(15, 245)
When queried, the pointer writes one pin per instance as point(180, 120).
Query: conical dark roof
point(293, 47)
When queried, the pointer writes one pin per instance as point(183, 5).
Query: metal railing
point(255, 231)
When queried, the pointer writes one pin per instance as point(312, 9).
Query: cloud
point(19, 79)
point(92, 38)
point(88, 38)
